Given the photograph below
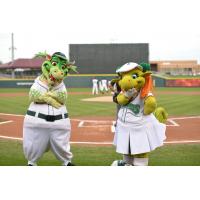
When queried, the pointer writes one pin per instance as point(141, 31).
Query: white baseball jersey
point(94, 81)
point(104, 82)
point(95, 86)
point(104, 85)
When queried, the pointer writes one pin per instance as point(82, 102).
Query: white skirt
point(137, 138)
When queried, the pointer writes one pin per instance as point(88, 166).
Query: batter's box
point(105, 124)
point(171, 122)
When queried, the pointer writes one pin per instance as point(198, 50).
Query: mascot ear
point(148, 86)
point(147, 73)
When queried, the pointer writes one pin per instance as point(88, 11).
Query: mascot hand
point(51, 94)
point(161, 114)
point(122, 99)
point(55, 104)
point(149, 105)
point(51, 101)
point(130, 93)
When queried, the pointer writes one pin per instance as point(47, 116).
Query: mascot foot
point(120, 163)
point(70, 164)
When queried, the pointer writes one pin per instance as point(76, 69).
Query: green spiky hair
point(145, 66)
point(73, 68)
point(41, 55)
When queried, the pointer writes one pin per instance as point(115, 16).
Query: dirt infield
point(99, 130)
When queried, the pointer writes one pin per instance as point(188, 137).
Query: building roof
point(23, 63)
point(167, 62)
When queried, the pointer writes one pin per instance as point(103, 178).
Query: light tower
point(12, 48)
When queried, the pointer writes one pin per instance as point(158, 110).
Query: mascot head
point(136, 76)
point(56, 67)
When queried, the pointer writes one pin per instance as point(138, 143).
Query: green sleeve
point(35, 96)
point(61, 97)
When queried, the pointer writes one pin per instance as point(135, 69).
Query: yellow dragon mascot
point(140, 126)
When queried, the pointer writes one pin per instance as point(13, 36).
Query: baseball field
point(92, 119)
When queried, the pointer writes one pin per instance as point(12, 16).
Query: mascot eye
point(54, 63)
point(63, 67)
point(134, 76)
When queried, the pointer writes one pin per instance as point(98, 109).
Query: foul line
point(15, 115)
point(5, 122)
point(11, 138)
point(192, 117)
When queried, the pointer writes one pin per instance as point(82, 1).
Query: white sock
point(32, 163)
point(140, 161)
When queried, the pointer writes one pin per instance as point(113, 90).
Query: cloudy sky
point(170, 27)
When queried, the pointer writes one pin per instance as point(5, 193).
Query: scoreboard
point(105, 58)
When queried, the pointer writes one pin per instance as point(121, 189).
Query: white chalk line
point(89, 121)
point(80, 123)
point(112, 128)
point(11, 138)
point(191, 117)
point(98, 126)
point(6, 122)
point(108, 143)
point(14, 115)
point(173, 123)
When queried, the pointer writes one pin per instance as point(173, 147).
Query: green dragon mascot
point(46, 124)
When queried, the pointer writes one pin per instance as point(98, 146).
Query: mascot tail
point(161, 115)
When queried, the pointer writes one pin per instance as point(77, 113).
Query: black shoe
point(29, 165)
point(120, 163)
point(70, 164)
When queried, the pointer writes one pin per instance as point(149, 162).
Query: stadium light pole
point(12, 48)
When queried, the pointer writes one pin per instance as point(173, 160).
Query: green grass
point(182, 89)
point(11, 154)
point(175, 104)
point(76, 107)
point(180, 105)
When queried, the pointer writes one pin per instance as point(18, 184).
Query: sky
point(170, 27)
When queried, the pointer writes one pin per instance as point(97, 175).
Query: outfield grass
point(175, 104)
point(11, 154)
